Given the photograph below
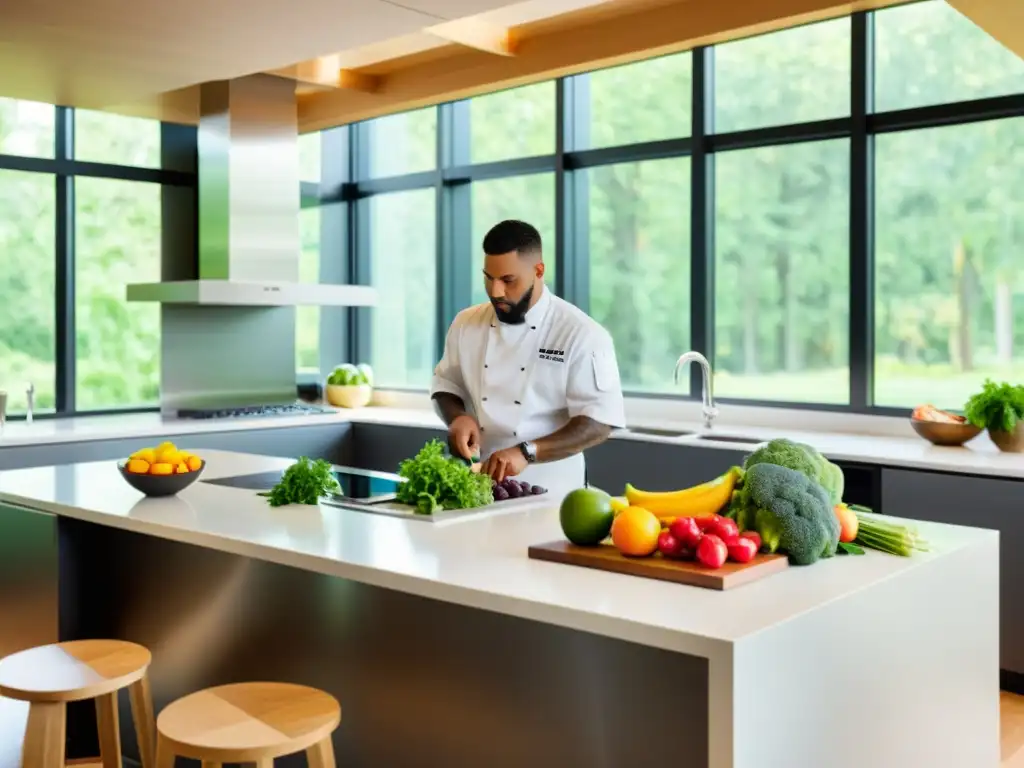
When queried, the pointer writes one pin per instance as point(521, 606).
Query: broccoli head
point(791, 512)
point(803, 458)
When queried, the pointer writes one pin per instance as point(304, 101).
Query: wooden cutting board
point(606, 558)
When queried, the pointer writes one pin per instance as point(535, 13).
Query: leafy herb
point(435, 482)
point(304, 482)
point(997, 407)
point(846, 548)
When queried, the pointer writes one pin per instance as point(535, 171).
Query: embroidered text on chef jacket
point(523, 382)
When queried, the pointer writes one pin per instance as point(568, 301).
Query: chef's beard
point(517, 314)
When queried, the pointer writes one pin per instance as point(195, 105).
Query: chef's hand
point(464, 436)
point(505, 463)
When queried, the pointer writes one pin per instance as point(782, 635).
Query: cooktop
point(251, 411)
point(357, 485)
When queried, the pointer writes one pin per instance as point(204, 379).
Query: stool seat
point(72, 671)
point(248, 722)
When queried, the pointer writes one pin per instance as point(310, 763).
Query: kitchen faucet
point(707, 391)
point(30, 397)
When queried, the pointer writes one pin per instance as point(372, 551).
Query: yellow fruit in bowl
point(194, 463)
point(147, 455)
point(137, 466)
point(161, 468)
point(181, 469)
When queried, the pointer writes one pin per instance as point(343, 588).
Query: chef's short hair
point(513, 235)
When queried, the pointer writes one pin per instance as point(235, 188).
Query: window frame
point(454, 174)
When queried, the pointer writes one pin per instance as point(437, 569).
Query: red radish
point(742, 550)
point(712, 552)
point(724, 528)
point(685, 529)
point(754, 536)
point(705, 522)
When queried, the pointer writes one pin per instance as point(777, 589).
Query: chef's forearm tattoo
point(581, 433)
point(451, 406)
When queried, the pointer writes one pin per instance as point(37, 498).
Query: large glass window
point(403, 265)
point(793, 76)
point(528, 198)
point(782, 273)
point(117, 242)
point(307, 318)
point(639, 239)
point(402, 143)
point(309, 156)
point(27, 289)
point(103, 137)
point(646, 101)
point(26, 128)
point(949, 269)
point(928, 53)
point(514, 123)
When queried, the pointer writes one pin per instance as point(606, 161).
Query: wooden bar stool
point(50, 676)
point(249, 723)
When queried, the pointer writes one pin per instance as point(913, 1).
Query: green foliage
point(304, 482)
point(996, 406)
point(435, 482)
point(791, 512)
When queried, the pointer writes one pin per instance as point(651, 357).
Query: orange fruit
point(194, 463)
point(137, 466)
point(161, 469)
point(635, 532)
point(182, 468)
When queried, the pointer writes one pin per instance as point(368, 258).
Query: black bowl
point(160, 485)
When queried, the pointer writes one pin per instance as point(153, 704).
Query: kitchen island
point(447, 646)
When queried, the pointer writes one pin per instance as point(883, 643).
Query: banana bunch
point(702, 500)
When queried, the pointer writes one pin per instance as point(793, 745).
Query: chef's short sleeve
point(448, 372)
point(594, 389)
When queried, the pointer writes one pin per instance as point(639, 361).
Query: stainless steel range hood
point(249, 205)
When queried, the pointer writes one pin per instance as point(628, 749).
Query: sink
point(730, 439)
point(654, 431)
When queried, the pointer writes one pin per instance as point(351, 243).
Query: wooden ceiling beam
point(474, 33)
point(1002, 19)
point(568, 45)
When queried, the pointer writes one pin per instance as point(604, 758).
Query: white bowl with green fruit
point(350, 386)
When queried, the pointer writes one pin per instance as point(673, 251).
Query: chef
point(527, 381)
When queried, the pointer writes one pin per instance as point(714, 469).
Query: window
point(794, 76)
point(949, 274)
point(514, 123)
point(646, 101)
point(639, 231)
point(117, 242)
point(528, 198)
point(403, 268)
point(307, 318)
point(928, 53)
point(309, 156)
point(782, 273)
point(26, 128)
point(27, 288)
point(102, 137)
point(401, 144)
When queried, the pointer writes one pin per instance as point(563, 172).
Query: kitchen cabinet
point(29, 596)
point(981, 502)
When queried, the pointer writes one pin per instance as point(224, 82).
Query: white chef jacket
point(523, 382)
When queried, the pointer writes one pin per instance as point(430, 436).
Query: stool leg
point(44, 736)
point(164, 755)
point(142, 713)
point(321, 755)
point(109, 729)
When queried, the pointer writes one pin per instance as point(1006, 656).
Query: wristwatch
point(529, 451)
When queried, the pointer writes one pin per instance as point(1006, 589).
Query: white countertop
point(840, 436)
point(480, 563)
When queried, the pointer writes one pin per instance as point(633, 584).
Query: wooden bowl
point(1009, 442)
point(160, 485)
point(350, 396)
point(942, 433)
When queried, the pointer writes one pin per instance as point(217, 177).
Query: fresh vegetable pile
point(304, 482)
point(791, 496)
point(436, 482)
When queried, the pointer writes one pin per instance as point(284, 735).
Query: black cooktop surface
point(356, 484)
